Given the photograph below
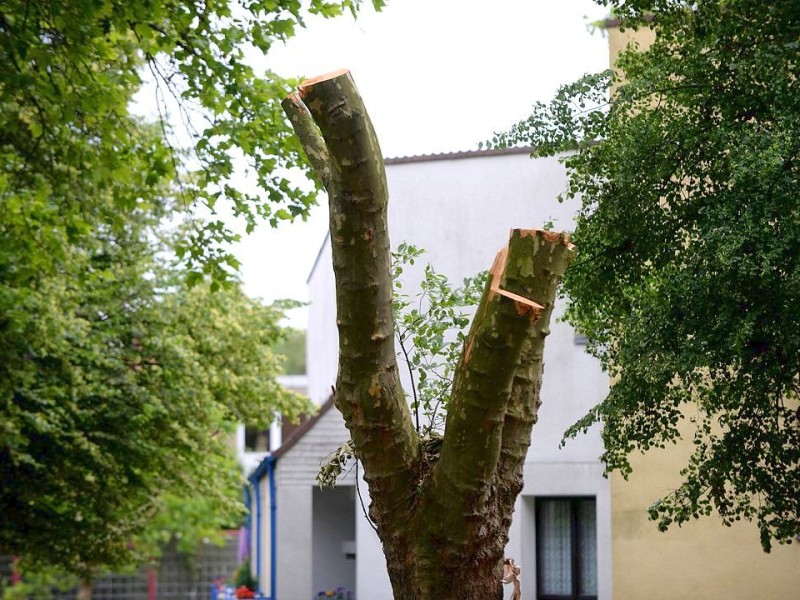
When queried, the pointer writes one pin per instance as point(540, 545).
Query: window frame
point(574, 536)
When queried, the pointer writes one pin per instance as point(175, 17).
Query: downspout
point(265, 469)
point(257, 487)
point(273, 504)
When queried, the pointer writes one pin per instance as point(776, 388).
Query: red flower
point(244, 592)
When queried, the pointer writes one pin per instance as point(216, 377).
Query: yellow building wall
point(619, 40)
point(703, 559)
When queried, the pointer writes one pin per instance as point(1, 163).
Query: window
point(566, 549)
point(256, 439)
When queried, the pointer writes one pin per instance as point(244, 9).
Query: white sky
point(436, 76)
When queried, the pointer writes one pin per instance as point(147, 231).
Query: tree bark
point(444, 525)
point(84, 591)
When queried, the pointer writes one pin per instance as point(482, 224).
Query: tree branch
point(309, 135)
point(523, 404)
point(368, 390)
point(511, 322)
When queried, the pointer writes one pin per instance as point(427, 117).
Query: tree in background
point(119, 370)
point(689, 284)
point(442, 510)
point(293, 348)
point(69, 70)
point(121, 386)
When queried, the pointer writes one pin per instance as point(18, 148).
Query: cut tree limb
point(368, 389)
point(552, 254)
point(506, 338)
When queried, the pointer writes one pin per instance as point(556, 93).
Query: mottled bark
point(443, 528)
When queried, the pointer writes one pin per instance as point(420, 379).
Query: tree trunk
point(444, 525)
point(84, 590)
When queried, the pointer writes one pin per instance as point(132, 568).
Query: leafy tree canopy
point(68, 72)
point(688, 285)
point(120, 371)
point(292, 348)
point(119, 388)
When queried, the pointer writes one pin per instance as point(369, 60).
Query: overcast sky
point(436, 76)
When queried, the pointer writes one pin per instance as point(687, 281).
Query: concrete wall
point(322, 337)
point(702, 559)
point(460, 210)
point(620, 40)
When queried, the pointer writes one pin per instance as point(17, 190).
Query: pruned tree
point(444, 519)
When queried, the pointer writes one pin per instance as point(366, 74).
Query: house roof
point(262, 468)
point(298, 433)
point(400, 160)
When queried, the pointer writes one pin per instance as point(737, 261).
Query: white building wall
point(460, 211)
point(322, 337)
point(295, 479)
point(334, 545)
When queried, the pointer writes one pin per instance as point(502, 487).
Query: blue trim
point(266, 468)
point(247, 506)
point(262, 468)
point(273, 506)
point(258, 531)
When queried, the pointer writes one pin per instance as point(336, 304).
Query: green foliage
point(68, 72)
point(293, 350)
point(688, 282)
point(430, 332)
point(121, 374)
point(330, 472)
point(244, 577)
point(36, 585)
point(120, 386)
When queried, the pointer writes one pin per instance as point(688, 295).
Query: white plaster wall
point(461, 210)
point(334, 536)
point(372, 579)
point(295, 480)
point(294, 552)
point(322, 337)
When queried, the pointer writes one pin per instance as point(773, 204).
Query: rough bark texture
point(443, 527)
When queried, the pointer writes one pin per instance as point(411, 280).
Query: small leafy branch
point(330, 472)
point(430, 330)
